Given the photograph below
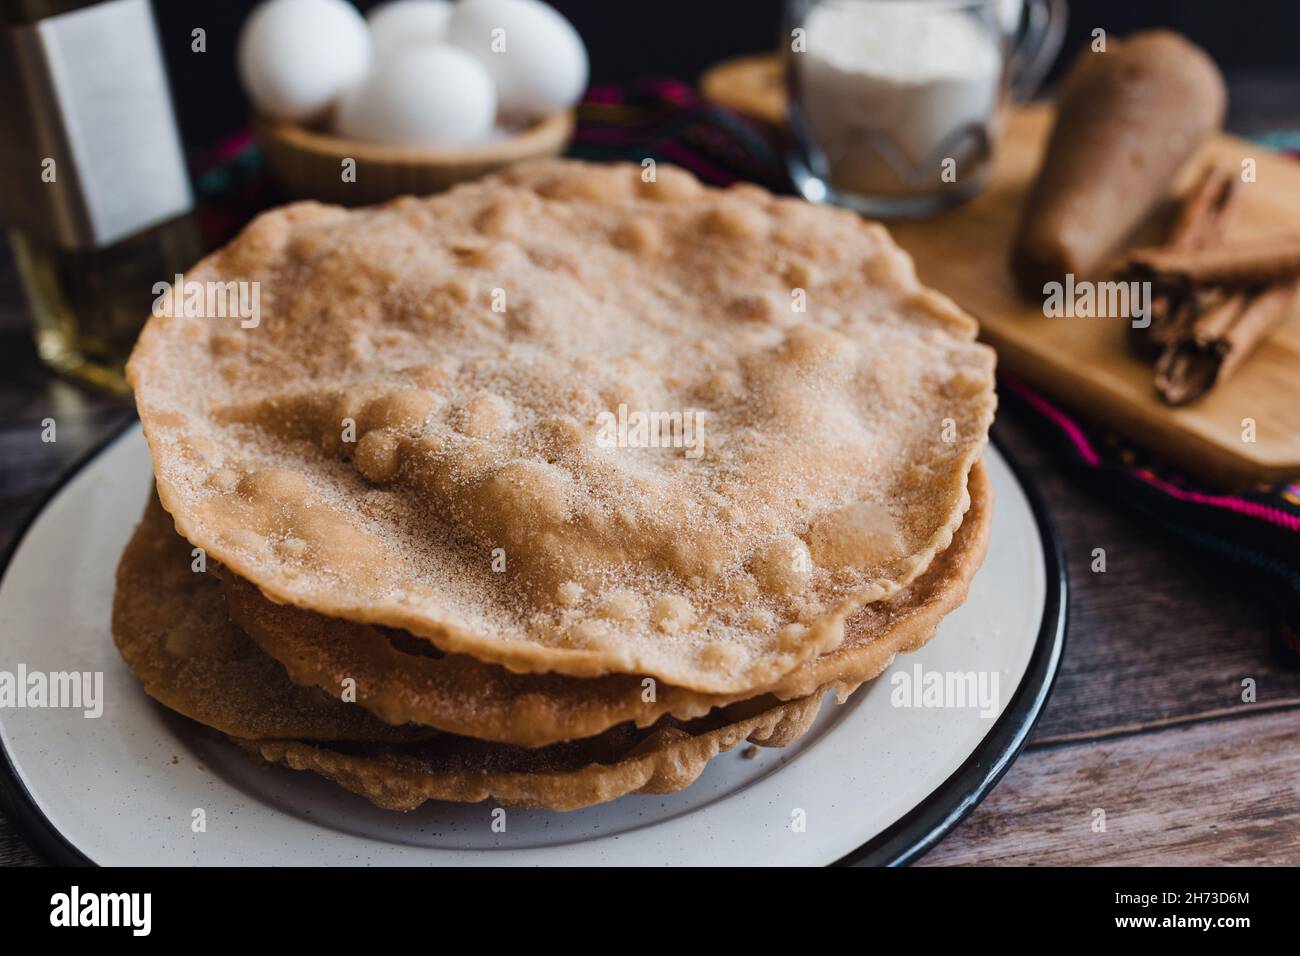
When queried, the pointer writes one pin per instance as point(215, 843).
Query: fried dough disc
point(399, 682)
point(437, 386)
point(171, 627)
point(565, 776)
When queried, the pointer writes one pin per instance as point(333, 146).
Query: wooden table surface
point(1146, 721)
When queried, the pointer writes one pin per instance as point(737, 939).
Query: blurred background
point(1255, 42)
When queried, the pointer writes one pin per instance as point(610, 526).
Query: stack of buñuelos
point(550, 488)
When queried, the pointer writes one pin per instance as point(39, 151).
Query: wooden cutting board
point(1085, 362)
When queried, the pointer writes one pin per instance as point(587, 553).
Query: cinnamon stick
point(1213, 303)
point(1221, 339)
point(1203, 220)
point(1242, 264)
point(1208, 210)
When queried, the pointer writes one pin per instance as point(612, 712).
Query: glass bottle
point(94, 192)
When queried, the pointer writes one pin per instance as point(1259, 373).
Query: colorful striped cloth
point(1256, 533)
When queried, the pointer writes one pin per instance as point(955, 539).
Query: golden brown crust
point(171, 627)
point(837, 447)
point(461, 695)
point(664, 760)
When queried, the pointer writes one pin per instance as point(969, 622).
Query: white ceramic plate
point(871, 782)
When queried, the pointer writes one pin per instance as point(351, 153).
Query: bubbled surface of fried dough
point(456, 693)
point(837, 440)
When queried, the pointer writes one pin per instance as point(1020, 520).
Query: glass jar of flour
point(894, 104)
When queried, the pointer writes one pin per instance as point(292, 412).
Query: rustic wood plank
point(1211, 793)
point(13, 849)
point(1163, 635)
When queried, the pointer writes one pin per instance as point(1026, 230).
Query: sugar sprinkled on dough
point(473, 339)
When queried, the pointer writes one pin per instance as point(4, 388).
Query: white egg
point(434, 95)
point(535, 56)
point(296, 56)
point(403, 23)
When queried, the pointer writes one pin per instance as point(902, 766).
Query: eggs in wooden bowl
point(417, 96)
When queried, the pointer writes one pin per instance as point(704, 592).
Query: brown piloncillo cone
point(1128, 119)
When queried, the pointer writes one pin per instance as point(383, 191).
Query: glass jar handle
point(1038, 45)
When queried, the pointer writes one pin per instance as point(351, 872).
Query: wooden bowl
point(308, 164)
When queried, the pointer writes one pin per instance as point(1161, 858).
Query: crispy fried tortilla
point(403, 680)
point(569, 420)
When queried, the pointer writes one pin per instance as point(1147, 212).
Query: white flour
point(886, 85)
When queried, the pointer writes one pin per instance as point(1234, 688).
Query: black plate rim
point(922, 827)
